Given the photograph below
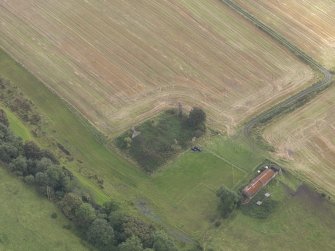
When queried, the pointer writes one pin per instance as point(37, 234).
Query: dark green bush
point(260, 212)
point(54, 215)
point(229, 201)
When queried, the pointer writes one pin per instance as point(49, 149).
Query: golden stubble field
point(310, 24)
point(120, 62)
point(306, 138)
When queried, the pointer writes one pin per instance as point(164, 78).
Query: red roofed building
point(259, 182)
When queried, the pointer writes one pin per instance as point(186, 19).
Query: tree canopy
point(162, 242)
point(85, 214)
point(197, 117)
point(101, 234)
point(229, 200)
point(131, 244)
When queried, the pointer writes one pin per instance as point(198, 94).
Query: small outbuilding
point(258, 203)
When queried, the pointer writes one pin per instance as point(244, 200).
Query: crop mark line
point(227, 161)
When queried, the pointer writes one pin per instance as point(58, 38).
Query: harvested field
point(309, 141)
point(308, 24)
point(121, 62)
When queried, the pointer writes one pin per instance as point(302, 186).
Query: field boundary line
point(199, 185)
point(227, 161)
point(179, 201)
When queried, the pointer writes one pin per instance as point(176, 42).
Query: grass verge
point(26, 222)
point(17, 126)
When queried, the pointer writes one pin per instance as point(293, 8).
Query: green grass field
point(16, 125)
point(181, 195)
point(26, 223)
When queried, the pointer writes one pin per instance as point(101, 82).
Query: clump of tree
point(104, 227)
point(229, 201)
point(162, 242)
point(196, 118)
point(131, 244)
point(161, 138)
point(35, 166)
point(197, 121)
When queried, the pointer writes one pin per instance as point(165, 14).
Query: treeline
point(105, 227)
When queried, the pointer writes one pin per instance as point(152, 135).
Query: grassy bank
point(26, 222)
point(16, 125)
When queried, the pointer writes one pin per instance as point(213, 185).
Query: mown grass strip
point(15, 124)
